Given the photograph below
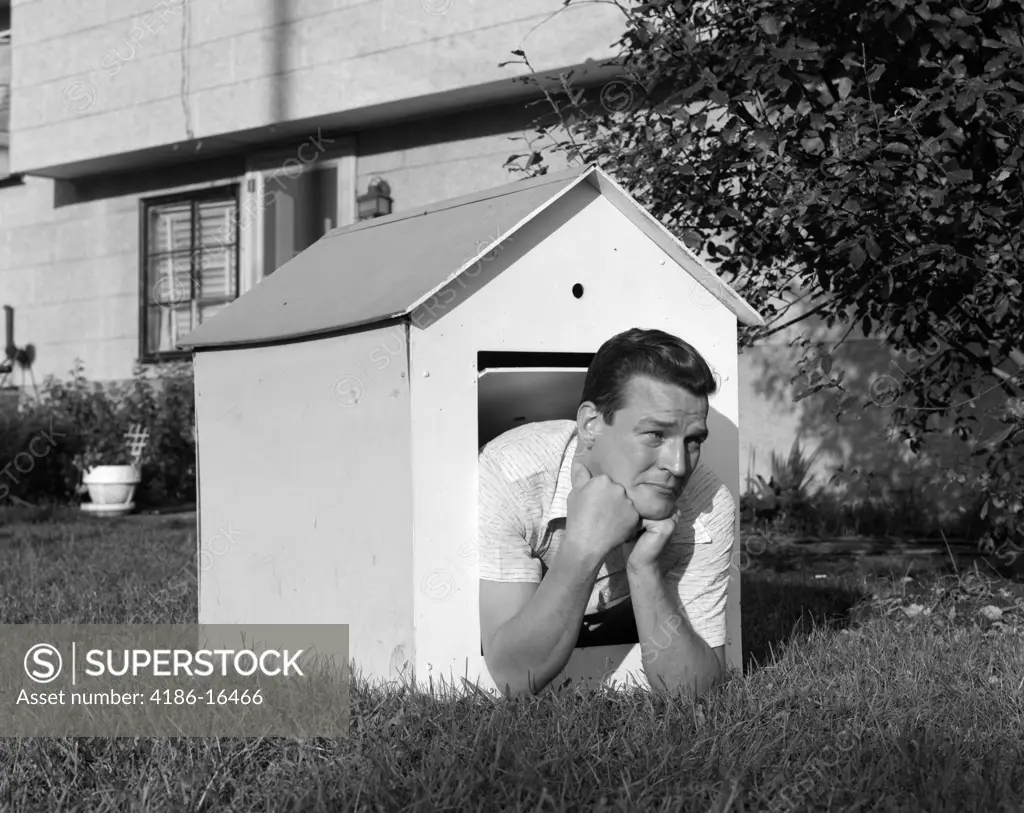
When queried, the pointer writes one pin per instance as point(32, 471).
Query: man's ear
point(588, 424)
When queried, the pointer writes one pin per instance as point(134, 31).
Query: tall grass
point(869, 689)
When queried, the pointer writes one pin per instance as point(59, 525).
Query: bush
point(35, 462)
point(89, 422)
point(787, 503)
point(165, 404)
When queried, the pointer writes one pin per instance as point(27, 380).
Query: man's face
point(652, 446)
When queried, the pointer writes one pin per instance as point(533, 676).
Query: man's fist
point(600, 515)
point(643, 554)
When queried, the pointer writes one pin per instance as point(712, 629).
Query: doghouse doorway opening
point(519, 388)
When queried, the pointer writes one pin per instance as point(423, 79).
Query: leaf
point(823, 277)
point(903, 27)
point(897, 147)
point(826, 364)
point(794, 95)
point(994, 443)
point(874, 250)
point(692, 240)
point(857, 256)
point(770, 26)
point(719, 97)
point(991, 612)
point(865, 325)
point(958, 176)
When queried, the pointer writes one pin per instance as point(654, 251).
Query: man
point(606, 530)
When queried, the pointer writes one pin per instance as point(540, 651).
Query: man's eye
point(658, 435)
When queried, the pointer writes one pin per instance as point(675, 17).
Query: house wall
point(95, 83)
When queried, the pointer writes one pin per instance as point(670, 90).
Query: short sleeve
point(502, 528)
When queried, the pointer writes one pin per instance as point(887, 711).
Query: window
point(189, 266)
point(298, 211)
point(292, 197)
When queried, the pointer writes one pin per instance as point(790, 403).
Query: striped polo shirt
point(525, 480)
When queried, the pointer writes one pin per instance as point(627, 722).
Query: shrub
point(165, 403)
point(34, 459)
point(787, 504)
point(90, 421)
point(787, 492)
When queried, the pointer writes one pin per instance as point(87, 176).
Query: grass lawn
point(871, 684)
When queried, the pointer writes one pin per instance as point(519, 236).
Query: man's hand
point(600, 515)
point(643, 554)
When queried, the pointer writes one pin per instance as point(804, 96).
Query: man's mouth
point(668, 491)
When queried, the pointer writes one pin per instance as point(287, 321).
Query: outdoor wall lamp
point(377, 200)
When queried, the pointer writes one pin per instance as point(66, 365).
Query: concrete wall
point(94, 82)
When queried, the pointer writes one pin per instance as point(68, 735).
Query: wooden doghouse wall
point(521, 299)
point(305, 491)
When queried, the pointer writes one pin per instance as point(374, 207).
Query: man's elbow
point(694, 685)
point(712, 677)
point(512, 681)
point(716, 678)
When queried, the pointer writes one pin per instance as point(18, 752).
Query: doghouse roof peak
point(383, 269)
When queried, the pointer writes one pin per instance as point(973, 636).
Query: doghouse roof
point(384, 268)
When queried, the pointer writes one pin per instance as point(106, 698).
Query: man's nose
point(676, 460)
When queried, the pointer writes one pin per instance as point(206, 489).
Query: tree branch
point(816, 309)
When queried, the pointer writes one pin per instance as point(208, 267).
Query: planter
point(111, 485)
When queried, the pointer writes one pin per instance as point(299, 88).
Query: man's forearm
point(533, 646)
point(673, 654)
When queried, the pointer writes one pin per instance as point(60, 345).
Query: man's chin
point(655, 509)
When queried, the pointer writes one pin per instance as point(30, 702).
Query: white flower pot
point(111, 485)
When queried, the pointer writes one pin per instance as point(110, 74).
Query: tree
point(858, 161)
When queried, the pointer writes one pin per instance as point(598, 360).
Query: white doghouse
point(341, 404)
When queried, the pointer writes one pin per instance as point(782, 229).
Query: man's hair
point(651, 353)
